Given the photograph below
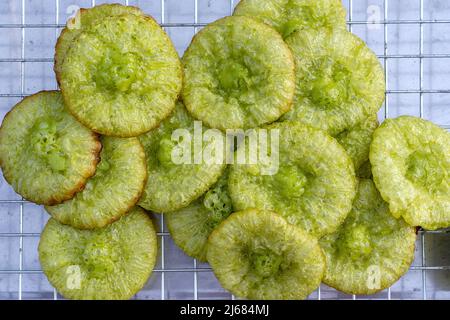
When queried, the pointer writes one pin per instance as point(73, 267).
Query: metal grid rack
point(177, 276)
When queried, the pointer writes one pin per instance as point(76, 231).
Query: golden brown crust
point(56, 56)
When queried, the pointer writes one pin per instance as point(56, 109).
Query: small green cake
point(173, 185)
point(112, 191)
point(371, 250)
point(238, 73)
point(410, 160)
point(313, 187)
point(121, 76)
point(45, 154)
point(256, 254)
point(110, 263)
point(340, 81)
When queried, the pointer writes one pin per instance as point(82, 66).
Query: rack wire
point(16, 288)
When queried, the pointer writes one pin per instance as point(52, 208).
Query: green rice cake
point(121, 76)
point(109, 263)
point(371, 250)
point(116, 187)
point(238, 73)
point(256, 254)
point(340, 81)
point(172, 186)
point(45, 154)
point(410, 160)
point(313, 187)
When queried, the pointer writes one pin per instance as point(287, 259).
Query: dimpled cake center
point(99, 257)
point(265, 262)
point(233, 77)
point(117, 71)
point(332, 84)
point(290, 181)
point(44, 143)
point(356, 243)
point(425, 168)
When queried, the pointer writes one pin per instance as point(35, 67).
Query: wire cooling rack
point(410, 37)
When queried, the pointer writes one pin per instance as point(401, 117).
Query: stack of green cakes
point(272, 167)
